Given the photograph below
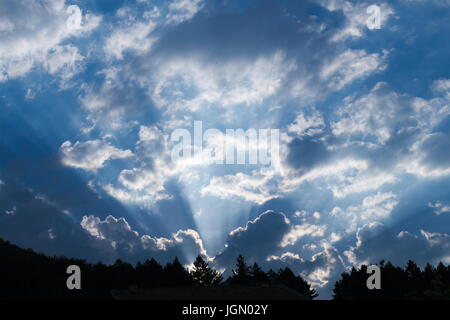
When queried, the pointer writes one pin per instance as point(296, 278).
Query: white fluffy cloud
point(191, 84)
point(63, 58)
point(371, 115)
point(253, 188)
point(429, 157)
point(135, 32)
point(441, 85)
point(351, 65)
point(363, 181)
point(90, 155)
point(145, 184)
point(32, 34)
point(182, 10)
point(356, 16)
point(116, 236)
point(307, 124)
point(320, 270)
point(299, 231)
point(383, 113)
point(373, 208)
point(135, 38)
point(439, 208)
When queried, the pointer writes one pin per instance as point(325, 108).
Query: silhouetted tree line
point(25, 274)
point(244, 274)
point(409, 283)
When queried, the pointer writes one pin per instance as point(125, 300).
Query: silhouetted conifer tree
point(297, 283)
point(150, 274)
point(203, 275)
point(176, 274)
point(257, 274)
point(242, 272)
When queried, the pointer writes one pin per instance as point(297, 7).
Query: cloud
point(135, 38)
point(360, 182)
point(351, 65)
point(47, 227)
point(115, 235)
point(383, 114)
point(439, 208)
point(441, 85)
point(395, 132)
point(321, 270)
point(299, 231)
point(381, 134)
point(356, 16)
point(182, 10)
point(33, 32)
point(272, 64)
point(379, 205)
point(112, 104)
point(252, 188)
point(430, 158)
point(375, 242)
point(373, 208)
point(321, 173)
point(135, 29)
point(90, 155)
point(145, 184)
point(188, 83)
point(373, 115)
point(257, 240)
point(264, 240)
point(66, 59)
point(252, 70)
point(307, 125)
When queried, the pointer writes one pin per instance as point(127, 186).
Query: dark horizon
point(51, 278)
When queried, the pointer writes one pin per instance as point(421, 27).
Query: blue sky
point(86, 115)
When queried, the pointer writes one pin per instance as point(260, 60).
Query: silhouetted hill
point(26, 274)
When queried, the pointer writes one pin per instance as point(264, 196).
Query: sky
point(88, 107)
